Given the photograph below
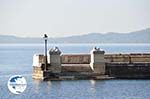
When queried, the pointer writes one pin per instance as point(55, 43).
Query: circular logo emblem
point(17, 84)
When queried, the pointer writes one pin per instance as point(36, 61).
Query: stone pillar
point(38, 60)
point(97, 63)
point(55, 60)
point(38, 66)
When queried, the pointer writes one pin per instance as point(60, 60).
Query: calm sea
point(17, 59)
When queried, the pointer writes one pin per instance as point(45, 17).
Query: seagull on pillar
point(45, 36)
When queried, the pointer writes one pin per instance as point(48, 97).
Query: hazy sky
point(29, 18)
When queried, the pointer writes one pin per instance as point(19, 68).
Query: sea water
point(17, 59)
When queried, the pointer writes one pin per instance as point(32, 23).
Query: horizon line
point(104, 33)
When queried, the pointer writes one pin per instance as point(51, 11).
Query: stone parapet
point(76, 68)
point(75, 59)
point(97, 62)
point(85, 58)
point(95, 65)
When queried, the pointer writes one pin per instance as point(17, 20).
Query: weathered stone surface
point(97, 63)
point(85, 58)
point(126, 70)
point(98, 67)
point(55, 60)
point(75, 59)
point(38, 60)
point(127, 57)
point(37, 73)
point(76, 68)
point(94, 66)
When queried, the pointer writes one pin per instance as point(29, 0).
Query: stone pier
point(96, 65)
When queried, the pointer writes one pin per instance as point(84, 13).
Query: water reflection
point(47, 85)
point(98, 88)
point(37, 84)
point(97, 83)
point(93, 84)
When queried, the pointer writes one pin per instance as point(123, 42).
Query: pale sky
point(57, 18)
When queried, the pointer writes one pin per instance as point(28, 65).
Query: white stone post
point(55, 60)
point(97, 63)
point(38, 60)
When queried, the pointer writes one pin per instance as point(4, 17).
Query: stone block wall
point(37, 72)
point(75, 68)
point(85, 58)
point(38, 60)
point(126, 70)
point(127, 57)
point(97, 62)
point(75, 59)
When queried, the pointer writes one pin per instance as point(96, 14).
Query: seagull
point(45, 36)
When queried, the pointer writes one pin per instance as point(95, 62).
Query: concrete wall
point(126, 70)
point(117, 65)
point(37, 72)
point(127, 57)
point(75, 59)
point(76, 68)
point(85, 58)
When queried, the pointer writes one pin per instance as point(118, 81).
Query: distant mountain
point(142, 36)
